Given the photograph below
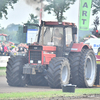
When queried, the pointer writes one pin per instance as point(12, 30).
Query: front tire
point(58, 72)
point(14, 71)
point(38, 80)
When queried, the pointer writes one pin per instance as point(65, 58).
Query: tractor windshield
point(68, 32)
point(51, 36)
point(2, 38)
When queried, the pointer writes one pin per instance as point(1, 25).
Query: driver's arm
point(59, 38)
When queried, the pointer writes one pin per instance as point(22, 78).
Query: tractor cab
point(56, 34)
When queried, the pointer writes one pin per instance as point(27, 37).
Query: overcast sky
point(21, 11)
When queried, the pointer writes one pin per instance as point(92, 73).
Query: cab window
point(68, 32)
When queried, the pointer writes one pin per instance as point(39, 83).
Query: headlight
point(48, 52)
point(39, 61)
point(52, 52)
point(31, 61)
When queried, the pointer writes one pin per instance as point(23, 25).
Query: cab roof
point(55, 23)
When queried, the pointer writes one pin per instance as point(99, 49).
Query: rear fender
point(77, 47)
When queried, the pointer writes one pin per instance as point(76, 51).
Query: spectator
point(5, 50)
point(14, 51)
point(12, 46)
point(25, 48)
point(8, 49)
point(3, 44)
point(20, 48)
point(1, 50)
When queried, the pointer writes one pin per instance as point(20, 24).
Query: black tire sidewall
point(15, 70)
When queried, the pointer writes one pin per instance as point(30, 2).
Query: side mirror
point(24, 29)
point(74, 30)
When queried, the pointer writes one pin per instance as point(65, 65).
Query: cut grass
point(47, 94)
point(2, 71)
point(2, 68)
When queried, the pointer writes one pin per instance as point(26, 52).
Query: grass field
point(2, 71)
point(2, 68)
point(47, 94)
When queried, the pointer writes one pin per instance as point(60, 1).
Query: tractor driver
point(57, 37)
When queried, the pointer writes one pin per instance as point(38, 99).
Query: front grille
point(35, 56)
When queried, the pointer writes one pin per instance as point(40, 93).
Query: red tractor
point(3, 37)
point(55, 60)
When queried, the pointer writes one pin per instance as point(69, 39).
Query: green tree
point(32, 20)
point(4, 6)
point(58, 7)
point(95, 6)
point(11, 31)
point(21, 37)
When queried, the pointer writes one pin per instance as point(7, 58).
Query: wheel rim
point(90, 69)
point(64, 74)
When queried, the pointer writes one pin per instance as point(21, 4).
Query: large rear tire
point(14, 71)
point(83, 68)
point(58, 73)
point(38, 80)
